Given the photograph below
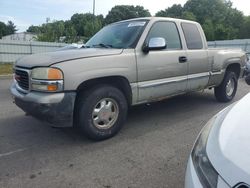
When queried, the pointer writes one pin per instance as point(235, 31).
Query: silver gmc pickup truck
point(126, 63)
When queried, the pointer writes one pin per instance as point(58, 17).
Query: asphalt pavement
point(151, 151)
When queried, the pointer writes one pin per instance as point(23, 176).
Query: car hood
point(228, 145)
point(47, 59)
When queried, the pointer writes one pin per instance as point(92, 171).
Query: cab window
point(169, 32)
point(192, 36)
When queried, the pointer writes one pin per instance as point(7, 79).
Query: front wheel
point(226, 91)
point(101, 112)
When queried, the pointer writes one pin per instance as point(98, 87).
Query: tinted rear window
point(192, 36)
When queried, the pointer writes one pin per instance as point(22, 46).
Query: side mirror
point(155, 44)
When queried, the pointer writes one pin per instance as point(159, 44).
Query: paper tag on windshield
point(136, 24)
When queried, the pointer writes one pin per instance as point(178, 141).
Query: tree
point(215, 10)
point(7, 29)
point(245, 28)
point(34, 29)
point(234, 21)
point(3, 29)
point(78, 23)
point(71, 35)
point(218, 18)
point(123, 12)
point(87, 24)
point(175, 11)
point(79, 27)
point(51, 32)
point(11, 28)
point(92, 27)
point(188, 16)
point(208, 28)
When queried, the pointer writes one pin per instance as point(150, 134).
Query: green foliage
point(219, 20)
point(33, 29)
point(123, 12)
point(2, 29)
point(7, 29)
point(188, 16)
point(86, 24)
point(175, 11)
point(245, 28)
point(79, 27)
point(70, 32)
point(11, 28)
point(208, 28)
point(51, 32)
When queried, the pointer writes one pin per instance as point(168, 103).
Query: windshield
point(118, 35)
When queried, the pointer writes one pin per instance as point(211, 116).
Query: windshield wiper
point(103, 45)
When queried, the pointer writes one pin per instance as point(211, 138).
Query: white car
point(221, 155)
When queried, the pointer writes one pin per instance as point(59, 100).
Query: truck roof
point(159, 19)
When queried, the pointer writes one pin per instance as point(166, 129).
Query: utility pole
point(93, 7)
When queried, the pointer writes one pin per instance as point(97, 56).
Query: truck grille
point(22, 78)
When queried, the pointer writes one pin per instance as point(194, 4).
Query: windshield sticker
point(136, 24)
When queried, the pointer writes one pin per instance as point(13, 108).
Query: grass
point(6, 68)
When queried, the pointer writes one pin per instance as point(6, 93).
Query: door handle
point(183, 59)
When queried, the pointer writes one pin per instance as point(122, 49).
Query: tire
point(226, 91)
point(101, 112)
point(247, 79)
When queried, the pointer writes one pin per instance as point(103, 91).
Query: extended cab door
point(197, 55)
point(162, 73)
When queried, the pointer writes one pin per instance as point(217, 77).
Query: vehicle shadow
point(171, 111)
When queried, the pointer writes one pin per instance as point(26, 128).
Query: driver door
point(162, 73)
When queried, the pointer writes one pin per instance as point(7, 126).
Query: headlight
point(204, 169)
point(46, 74)
point(47, 79)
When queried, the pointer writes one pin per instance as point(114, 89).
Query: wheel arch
point(234, 67)
point(119, 82)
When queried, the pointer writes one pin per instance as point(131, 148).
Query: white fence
point(11, 50)
point(244, 44)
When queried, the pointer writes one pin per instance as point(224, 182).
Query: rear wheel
point(101, 112)
point(226, 91)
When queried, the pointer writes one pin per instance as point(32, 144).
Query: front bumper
point(54, 108)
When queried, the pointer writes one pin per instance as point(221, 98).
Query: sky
point(34, 12)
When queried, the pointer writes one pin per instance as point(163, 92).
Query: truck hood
point(228, 146)
point(47, 59)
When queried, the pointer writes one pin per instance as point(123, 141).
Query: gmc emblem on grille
point(17, 77)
